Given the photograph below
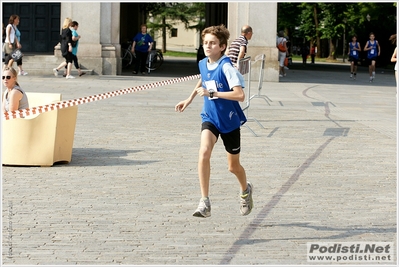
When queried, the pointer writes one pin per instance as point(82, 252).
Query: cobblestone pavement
point(323, 165)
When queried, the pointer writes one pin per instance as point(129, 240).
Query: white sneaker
point(70, 77)
point(204, 208)
point(280, 75)
point(246, 202)
point(55, 71)
point(373, 75)
point(351, 76)
point(23, 73)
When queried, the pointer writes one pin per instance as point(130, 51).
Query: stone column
point(262, 17)
point(99, 47)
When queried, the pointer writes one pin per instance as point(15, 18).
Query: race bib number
point(211, 85)
point(372, 51)
point(354, 53)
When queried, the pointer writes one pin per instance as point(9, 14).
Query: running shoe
point(246, 201)
point(55, 71)
point(204, 208)
point(70, 77)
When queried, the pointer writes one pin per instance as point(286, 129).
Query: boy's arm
point(379, 48)
point(181, 106)
point(366, 47)
point(236, 94)
point(394, 55)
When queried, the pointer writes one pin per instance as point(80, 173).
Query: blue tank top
point(226, 115)
point(353, 53)
point(373, 51)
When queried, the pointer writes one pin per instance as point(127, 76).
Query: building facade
point(104, 26)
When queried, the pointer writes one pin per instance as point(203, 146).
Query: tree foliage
point(163, 16)
point(327, 22)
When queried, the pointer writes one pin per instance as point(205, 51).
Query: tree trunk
point(316, 22)
point(332, 50)
point(163, 34)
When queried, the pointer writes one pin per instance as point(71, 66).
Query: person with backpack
point(11, 43)
point(66, 49)
point(373, 51)
point(75, 44)
point(281, 45)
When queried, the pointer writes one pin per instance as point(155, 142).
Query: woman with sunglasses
point(14, 98)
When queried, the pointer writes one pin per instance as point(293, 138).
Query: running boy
point(353, 52)
point(373, 51)
point(221, 86)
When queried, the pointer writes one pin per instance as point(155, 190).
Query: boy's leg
point(208, 140)
point(246, 202)
point(236, 168)
point(232, 144)
point(373, 68)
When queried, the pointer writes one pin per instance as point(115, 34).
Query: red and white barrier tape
point(78, 101)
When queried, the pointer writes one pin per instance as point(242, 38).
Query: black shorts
point(354, 60)
point(69, 57)
point(231, 140)
point(370, 60)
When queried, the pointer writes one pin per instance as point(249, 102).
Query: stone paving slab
point(323, 167)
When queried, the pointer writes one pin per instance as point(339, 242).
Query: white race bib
point(211, 85)
point(372, 51)
point(354, 52)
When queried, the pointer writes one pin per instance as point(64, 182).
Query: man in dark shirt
point(238, 48)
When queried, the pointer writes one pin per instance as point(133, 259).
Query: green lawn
point(179, 54)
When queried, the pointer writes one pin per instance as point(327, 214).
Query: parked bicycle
point(154, 59)
point(127, 56)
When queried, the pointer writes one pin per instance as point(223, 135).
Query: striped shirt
point(235, 46)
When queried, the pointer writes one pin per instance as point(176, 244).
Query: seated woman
point(14, 98)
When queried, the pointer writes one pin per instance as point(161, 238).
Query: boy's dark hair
point(74, 23)
point(221, 32)
point(392, 38)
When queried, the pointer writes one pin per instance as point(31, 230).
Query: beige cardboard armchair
point(42, 139)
